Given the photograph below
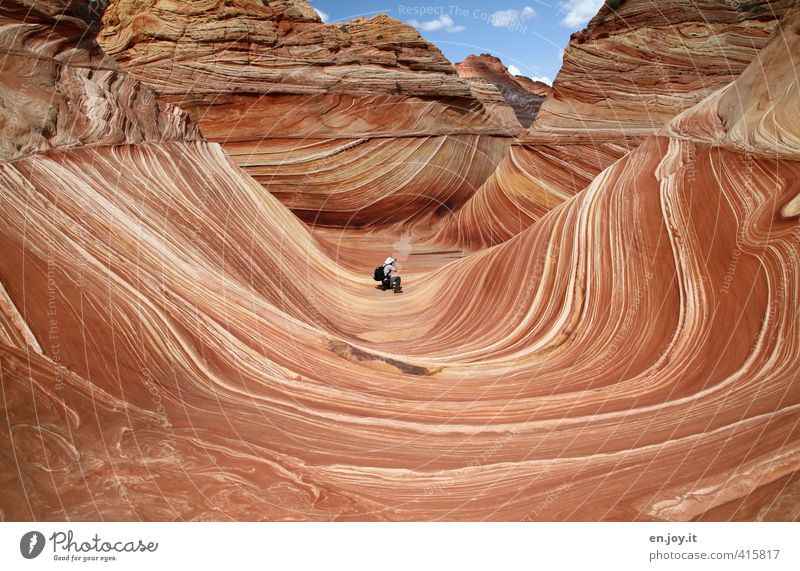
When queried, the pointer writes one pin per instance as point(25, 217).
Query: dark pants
point(392, 282)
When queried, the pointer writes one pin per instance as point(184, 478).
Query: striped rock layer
point(623, 78)
point(254, 73)
point(59, 90)
point(176, 344)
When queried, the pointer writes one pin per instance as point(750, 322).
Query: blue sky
point(528, 35)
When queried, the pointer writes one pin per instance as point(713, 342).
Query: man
point(391, 281)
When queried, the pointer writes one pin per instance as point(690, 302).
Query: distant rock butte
point(533, 86)
point(523, 94)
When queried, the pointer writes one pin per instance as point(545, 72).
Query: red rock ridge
point(624, 77)
point(633, 69)
point(523, 94)
point(533, 86)
point(298, 102)
point(205, 55)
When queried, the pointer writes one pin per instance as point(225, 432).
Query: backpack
point(379, 275)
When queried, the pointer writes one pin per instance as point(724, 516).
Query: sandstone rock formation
point(496, 104)
point(633, 69)
point(523, 94)
point(58, 89)
point(263, 76)
point(176, 345)
point(623, 78)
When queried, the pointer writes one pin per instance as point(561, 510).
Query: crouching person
point(385, 275)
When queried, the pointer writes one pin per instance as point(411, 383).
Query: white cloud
point(514, 70)
point(579, 12)
point(443, 22)
point(324, 16)
point(512, 18)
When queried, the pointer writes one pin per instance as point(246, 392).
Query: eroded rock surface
point(624, 77)
point(254, 73)
point(523, 94)
point(176, 345)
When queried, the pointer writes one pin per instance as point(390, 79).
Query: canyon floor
point(600, 312)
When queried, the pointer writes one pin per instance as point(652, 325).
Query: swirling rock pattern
point(624, 77)
point(413, 180)
point(55, 96)
point(540, 171)
point(176, 344)
point(253, 73)
point(632, 69)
